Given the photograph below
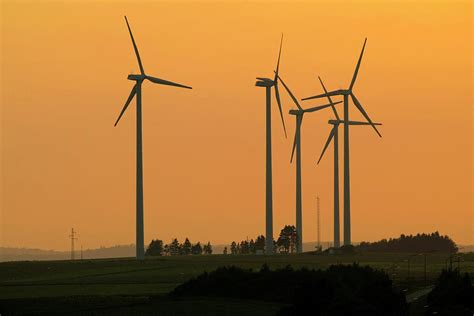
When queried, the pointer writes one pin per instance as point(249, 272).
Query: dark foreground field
point(125, 286)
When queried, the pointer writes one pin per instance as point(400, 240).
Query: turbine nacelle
point(136, 77)
point(296, 112)
point(264, 82)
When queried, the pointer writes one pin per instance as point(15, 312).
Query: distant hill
point(24, 254)
point(121, 251)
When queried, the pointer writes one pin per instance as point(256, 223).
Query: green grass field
point(70, 284)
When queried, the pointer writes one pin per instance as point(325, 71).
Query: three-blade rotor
point(300, 112)
point(348, 92)
point(332, 133)
point(140, 78)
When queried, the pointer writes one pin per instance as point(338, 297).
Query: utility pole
point(73, 237)
point(318, 222)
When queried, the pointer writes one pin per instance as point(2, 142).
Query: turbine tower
point(318, 223)
point(346, 93)
point(334, 134)
point(298, 113)
point(137, 91)
point(268, 84)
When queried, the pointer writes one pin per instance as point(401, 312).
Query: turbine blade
point(329, 98)
point(357, 67)
point(324, 95)
point(294, 147)
point(166, 82)
point(130, 97)
point(278, 62)
point(331, 135)
point(362, 123)
point(361, 109)
point(290, 93)
point(277, 96)
point(135, 48)
point(298, 127)
point(320, 107)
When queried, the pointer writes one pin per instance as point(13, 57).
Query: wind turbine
point(268, 84)
point(137, 90)
point(334, 135)
point(299, 113)
point(346, 93)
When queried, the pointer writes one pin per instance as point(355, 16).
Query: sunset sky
point(64, 67)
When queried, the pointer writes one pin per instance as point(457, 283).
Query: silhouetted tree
point(207, 249)
point(244, 247)
point(260, 243)
point(250, 246)
point(155, 248)
point(233, 248)
point(186, 247)
point(174, 247)
point(196, 249)
point(225, 251)
point(288, 239)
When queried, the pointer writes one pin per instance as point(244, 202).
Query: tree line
point(175, 248)
point(421, 243)
point(337, 290)
point(286, 243)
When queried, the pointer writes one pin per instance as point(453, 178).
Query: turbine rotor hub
point(136, 77)
point(296, 112)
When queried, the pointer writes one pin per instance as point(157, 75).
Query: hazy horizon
point(128, 250)
point(64, 70)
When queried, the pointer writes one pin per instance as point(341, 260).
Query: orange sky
point(64, 67)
